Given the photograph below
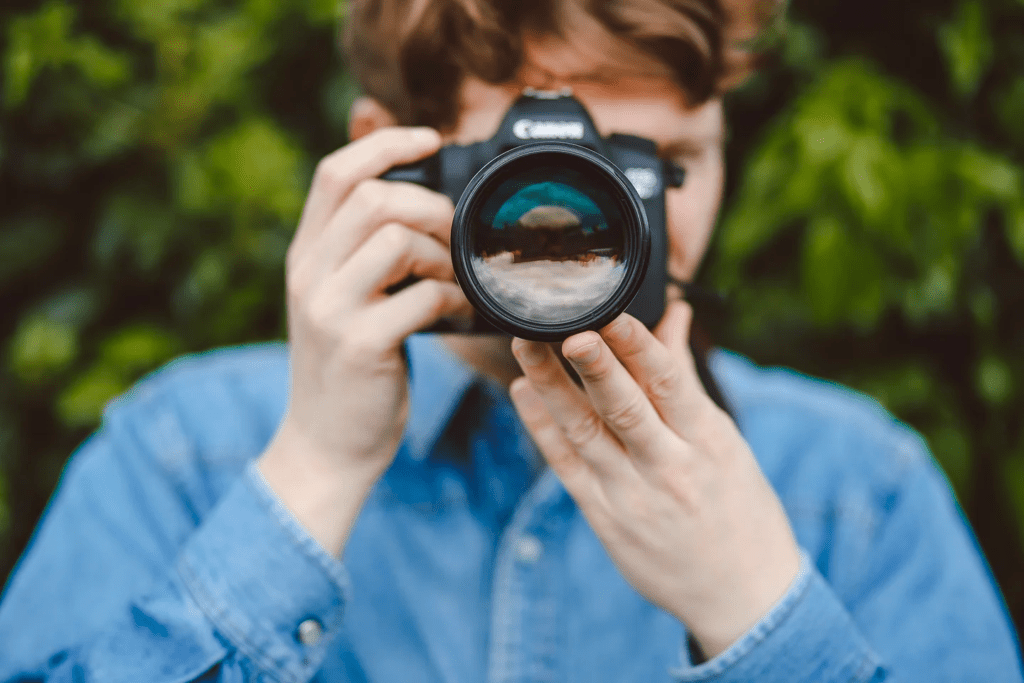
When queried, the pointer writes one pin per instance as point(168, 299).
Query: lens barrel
point(550, 239)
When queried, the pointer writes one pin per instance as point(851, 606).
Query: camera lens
point(548, 240)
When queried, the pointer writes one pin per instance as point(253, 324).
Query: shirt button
point(528, 549)
point(310, 632)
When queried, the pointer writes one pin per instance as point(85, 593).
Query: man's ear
point(366, 116)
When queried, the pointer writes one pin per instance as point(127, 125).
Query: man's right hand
point(348, 399)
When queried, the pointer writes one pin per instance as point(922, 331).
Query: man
point(197, 535)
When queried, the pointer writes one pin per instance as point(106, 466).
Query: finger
point(662, 367)
point(673, 330)
point(570, 408)
point(573, 471)
point(390, 255)
point(368, 157)
point(414, 308)
point(372, 204)
point(615, 395)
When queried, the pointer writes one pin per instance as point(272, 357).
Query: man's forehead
point(648, 106)
point(602, 69)
point(597, 76)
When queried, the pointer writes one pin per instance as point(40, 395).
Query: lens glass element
point(549, 245)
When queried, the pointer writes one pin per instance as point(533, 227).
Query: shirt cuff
point(258, 575)
point(808, 636)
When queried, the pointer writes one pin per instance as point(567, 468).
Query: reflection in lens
point(549, 251)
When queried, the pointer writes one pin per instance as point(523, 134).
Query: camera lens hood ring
point(636, 237)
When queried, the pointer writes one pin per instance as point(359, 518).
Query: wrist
point(723, 620)
point(323, 491)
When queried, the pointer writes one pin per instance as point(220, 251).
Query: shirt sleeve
point(807, 636)
point(912, 602)
point(128, 579)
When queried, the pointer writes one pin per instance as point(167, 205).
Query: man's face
point(624, 93)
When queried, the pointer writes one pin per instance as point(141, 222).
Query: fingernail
point(619, 331)
point(424, 134)
point(527, 402)
point(587, 353)
point(529, 353)
point(520, 389)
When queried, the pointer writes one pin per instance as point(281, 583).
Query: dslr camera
point(556, 229)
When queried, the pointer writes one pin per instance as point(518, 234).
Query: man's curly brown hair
point(412, 55)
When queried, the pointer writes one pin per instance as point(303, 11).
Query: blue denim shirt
point(165, 557)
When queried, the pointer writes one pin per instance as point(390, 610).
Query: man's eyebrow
point(690, 144)
point(595, 77)
point(607, 74)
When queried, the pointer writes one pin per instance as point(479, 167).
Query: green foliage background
point(154, 157)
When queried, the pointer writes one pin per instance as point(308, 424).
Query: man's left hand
point(662, 474)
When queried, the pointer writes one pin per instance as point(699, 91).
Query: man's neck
point(489, 354)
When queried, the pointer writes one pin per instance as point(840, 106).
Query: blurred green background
point(154, 157)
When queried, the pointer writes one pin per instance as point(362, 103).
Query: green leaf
point(1015, 230)
point(101, 66)
point(991, 176)
point(324, 12)
point(44, 40)
point(263, 12)
point(903, 388)
point(823, 133)
point(966, 44)
point(764, 314)
point(867, 177)
point(207, 279)
point(42, 348)
point(134, 227)
point(124, 355)
point(1010, 108)
point(802, 47)
point(994, 380)
point(773, 190)
point(253, 167)
point(117, 130)
point(932, 294)
point(138, 348)
point(81, 404)
point(34, 42)
point(155, 19)
point(338, 95)
point(266, 247)
point(75, 306)
point(841, 277)
point(194, 186)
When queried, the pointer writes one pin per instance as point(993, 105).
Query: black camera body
point(558, 124)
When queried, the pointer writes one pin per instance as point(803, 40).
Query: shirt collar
point(438, 381)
